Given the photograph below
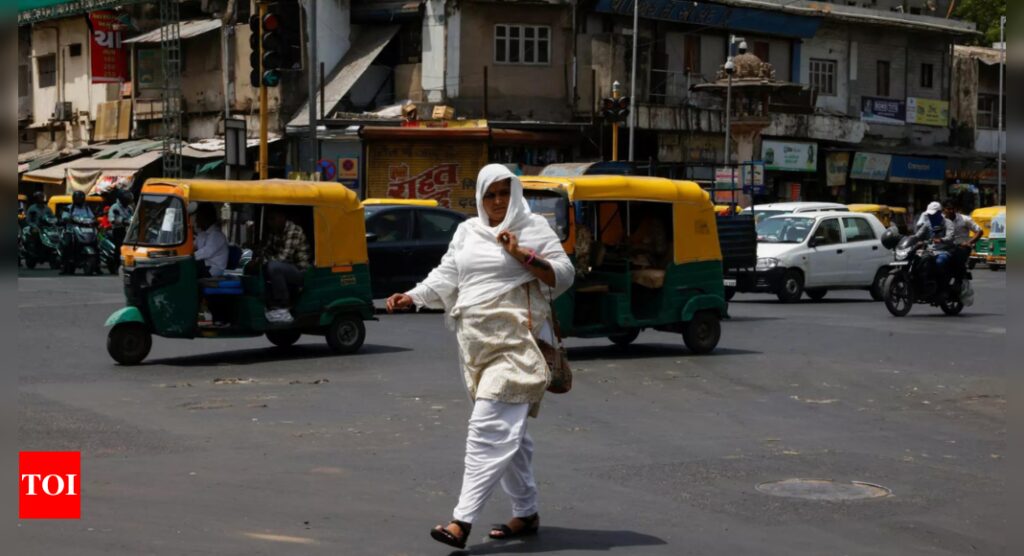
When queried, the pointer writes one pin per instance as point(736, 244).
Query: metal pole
point(615, 125)
point(728, 122)
point(224, 40)
point(264, 163)
point(311, 25)
point(632, 80)
point(1001, 138)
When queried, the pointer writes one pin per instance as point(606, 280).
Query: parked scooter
point(912, 280)
point(81, 246)
point(40, 245)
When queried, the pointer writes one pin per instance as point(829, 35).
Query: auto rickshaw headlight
point(766, 263)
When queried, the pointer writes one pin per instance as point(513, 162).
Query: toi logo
point(50, 485)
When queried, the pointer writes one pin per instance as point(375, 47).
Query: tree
point(985, 14)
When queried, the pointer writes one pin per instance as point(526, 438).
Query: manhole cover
point(816, 489)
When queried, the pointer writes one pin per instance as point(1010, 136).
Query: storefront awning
point(86, 174)
point(365, 47)
point(189, 29)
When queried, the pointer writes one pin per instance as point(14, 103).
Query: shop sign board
point(109, 58)
point(837, 166)
point(870, 166)
point(782, 156)
point(883, 111)
point(912, 170)
point(926, 111)
point(442, 171)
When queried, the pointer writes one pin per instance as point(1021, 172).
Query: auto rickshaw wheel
point(971, 264)
point(730, 292)
point(346, 334)
point(624, 339)
point(284, 338)
point(129, 343)
point(702, 333)
point(816, 294)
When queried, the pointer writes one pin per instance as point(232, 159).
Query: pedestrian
point(499, 267)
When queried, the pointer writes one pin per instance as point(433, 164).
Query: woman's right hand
point(399, 301)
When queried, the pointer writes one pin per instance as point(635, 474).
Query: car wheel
point(346, 334)
point(284, 338)
point(129, 343)
point(792, 287)
point(624, 339)
point(702, 333)
point(816, 294)
point(877, 287)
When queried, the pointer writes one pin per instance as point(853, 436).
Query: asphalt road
point(234, 447)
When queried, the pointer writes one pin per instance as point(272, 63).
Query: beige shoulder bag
point(555, 355)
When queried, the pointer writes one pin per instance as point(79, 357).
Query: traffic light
point(622, 109)
point(608, 109)
point(279, 35)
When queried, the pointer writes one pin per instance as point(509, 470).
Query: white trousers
point(498, 449)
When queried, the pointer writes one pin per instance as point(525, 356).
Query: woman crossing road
point(499, 267)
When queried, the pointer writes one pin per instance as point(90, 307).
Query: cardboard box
point(442, 112)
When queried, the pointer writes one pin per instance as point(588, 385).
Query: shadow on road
point(643, 351)
point(268, 354)
point(554, 539)
point(825, 301)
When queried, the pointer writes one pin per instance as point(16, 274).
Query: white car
point(761, 212)
point(814, 252)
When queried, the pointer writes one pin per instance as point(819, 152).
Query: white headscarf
point(477, 269)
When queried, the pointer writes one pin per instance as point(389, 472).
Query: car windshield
point(784, 229)
point(159, 222)
point(555, 210)
point(762, 215)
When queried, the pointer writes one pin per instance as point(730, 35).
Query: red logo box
point(50, 485)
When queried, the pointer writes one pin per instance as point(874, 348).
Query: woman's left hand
point(510, 243)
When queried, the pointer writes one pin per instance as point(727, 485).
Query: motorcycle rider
point(77, 210)
point(120, 216)
point(37, 216)
point(963, 243)
point(937, 232)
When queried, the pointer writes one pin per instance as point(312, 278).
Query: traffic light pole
point(264, 162)
point(311, 71)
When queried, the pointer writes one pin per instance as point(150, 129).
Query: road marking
point(280, 538)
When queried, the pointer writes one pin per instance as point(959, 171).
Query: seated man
point(649, 242)
point(284, 256)
point(210, 242)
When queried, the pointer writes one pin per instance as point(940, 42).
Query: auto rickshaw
point(164, 293)
point(983, 217)
point(22, 206)
point(60, 203)
point(404, 202)
point(727, 210)
point(996, 258)
point(900, 217)
point(646, 254)
point(882, 212)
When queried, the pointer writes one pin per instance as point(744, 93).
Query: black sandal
point(442, 535)
point(531, 524)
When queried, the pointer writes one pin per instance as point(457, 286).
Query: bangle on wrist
point(533, 255)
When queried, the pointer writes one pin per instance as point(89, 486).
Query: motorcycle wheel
point(113, 267)
point(952, 307)
point(898, 297)
point(30, 263)
point(93, 266)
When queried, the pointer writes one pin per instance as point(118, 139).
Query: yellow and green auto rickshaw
point(164, 294)
point(60, 203)
point(646, 254)
point(996, 258)
point(983, 217)
point(403, 202)
point(882, 212)
point(900, 217)
point(22, 207)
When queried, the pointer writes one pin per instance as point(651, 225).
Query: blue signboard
point(717, 15)
point(883, 111)
point(925, 171)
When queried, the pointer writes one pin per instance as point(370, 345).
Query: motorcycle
point(81, 246)
point(40, 245)
point(110, 253)
point(911, 280)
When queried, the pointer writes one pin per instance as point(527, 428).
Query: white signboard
point(783, 156)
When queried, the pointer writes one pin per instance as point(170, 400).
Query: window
point(47, 68)
point(858, 229)
point(988, 112)
point(522, 44)
point(75, 50)
point(437, 226)
point(927, 76)
point(883, 79)
point(393, 225)
point(828, 233)
point(763, 50)
point(823, 76)
point(692, 54)
point(159, 222)
point(555, 209)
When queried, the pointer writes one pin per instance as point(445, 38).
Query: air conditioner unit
point(63, 112)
